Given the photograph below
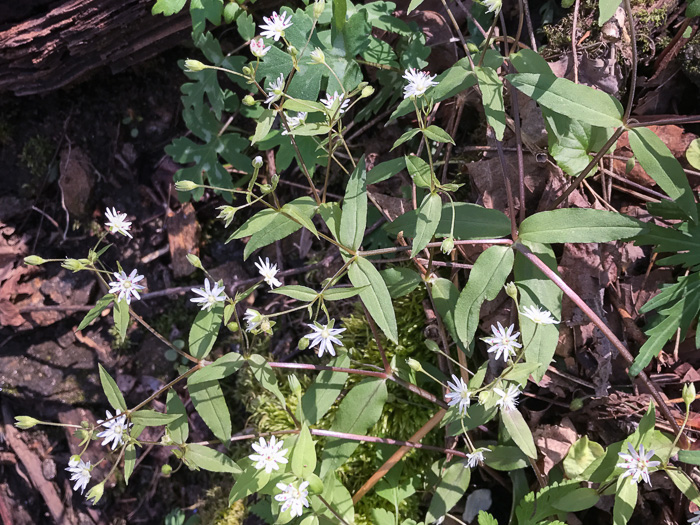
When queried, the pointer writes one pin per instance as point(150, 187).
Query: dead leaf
point(183, 237)
point(76, 181)
point(554, 442)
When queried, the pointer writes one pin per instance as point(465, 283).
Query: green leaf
point(121, 318)
point(306, 106)
point(310, 129)
point(219, 369)
point(209, 402)
point(204, 331)
point(485, 518)
point(576, 101)
point(256, 223)
point(322, 393)
point(358, 411)
point(151, 418)
point(337, 294)
point(375, 296)
point(179, 429)
point(453, 484)
point(580, 456)
point(437, 134)
point(300, 293)
point(303, 461)
point(330, 213)
point(625, 501)
point(129, 461)
point(692, 154)
point(400, 281)
point(519, 431)
point(96, 310)
point(580, 499)
point(415, 4)
point(536, 289)
point(419, 170)
point(404, 138)
point(111, 390)
point(264, 125)
point(607, 10)
point(693, 9)
point(266, 376)
point(660, 164)
point(691, 457)
point(382, 516)
point(505, 458)
point(168, 7)
point(529, 61)
point(492, 99)
point(354, 218)
point(445, 296)
point(339, 11)
point(579, 225)
point(209, 459)
point(250, 481)
point(487, 277)
point(385, 170)
point(429, 213)
point(684, 484)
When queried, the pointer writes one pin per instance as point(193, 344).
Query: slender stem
point(165, 388)
point(633, 43)
point(395, 249)
point(377, 339)
point(318, 368)
point(686, 119)
point(509, 191)
point(333, 511)
point(627, 356)
point(519, 149)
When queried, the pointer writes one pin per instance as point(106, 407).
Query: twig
point(574, 51)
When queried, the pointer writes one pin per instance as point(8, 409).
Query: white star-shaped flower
point(538, 315)
point(317, 56)
point(509, 398)
point(637, 465)
point(209, 297)
point(275, 25)
point(475, 458)
point(324, 337)
point(114, 429)
point(695, 518)
point(116, 222)
point(293, 498)
point(503, 341)
point(459, 394)
point(80, 473)
point(126, 286)
point(418, 83)
point(268, 454)
point(252, 319)
point(295, 122)
point(275, 90)
point(492, 5)
point(268, 272)
point(331, 100)
point(257, 47)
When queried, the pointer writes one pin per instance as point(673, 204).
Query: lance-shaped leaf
point(452, 486)
point(429, 214)
point(179, 429)
point(111, 390)
point(300, 293)
point(419, 170)
point(660, 164)
point(625, 501)
point(607, 9)
point(519, 431)
point(205, 330)
point(121, 318)
point(354, 217)
point(151, 418)
point(375, 296)
point(209, 459)
point(445, 296)
point(265, 375)
point(486, 279)
point(579, 225)
point(209, 402)
point(573, 100)
point(96, 310)
point(492, 99)
point(129, 461)
point(264, 125)
point(358, 411)
point(437, 134)
point(303, 461)
point(322, 393)
point(219, 369)
point(400, 281)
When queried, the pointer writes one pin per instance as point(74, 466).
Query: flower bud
point(266, 325)
point(294, 385)
point(185, 185)
point(303, 343)
point(248, 100)
point(576, 404)
point(166, 470)
point(688, 393)
point(448, 244)
point(473, 48)
point(73, 265)
point(233, 326)
point(319, 6)
point(367, 91)
point(247, 71)
point(317, 56)
point(194, 261)
point(34, 260)
point(258, 162)
point(265, 189)
point(25, 422)
point(274, 180)
point(292, 51)
point(414, 365)
point(96, 492)
point(192, 66)
point(511, 290)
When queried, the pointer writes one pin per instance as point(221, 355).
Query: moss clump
point(36, 155)
point(690, 59)
point(215, 509)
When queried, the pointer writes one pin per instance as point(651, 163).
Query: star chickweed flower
point(295, 122)
point(293, 498)
point(538, 315)
point(324, 337)
point(117, 223)
point(418, 83)
point(492, 5)
point(80, 473)
point(257, 48)
point(252, 319)
point(637, 465)
point(508, 399)
point(275, 90)
point(275, 25)
point(503, 341)
point(114, 429)
point(268, 454)
point(459, 394)
point(126, 286)
point(317, 56)
point(695, 518)
point(331, 100)
point(268, 272)
point(208, 296)
point(475, 458)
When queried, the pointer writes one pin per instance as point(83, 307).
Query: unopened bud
point(25, 422)
point(688, 393)
point(317, 56)
point(473, 48)
point(233, 326)
point(367, 91)
point(194, 261)
point(303, 343)
point(248, 100)
point(294, 385)
point(96, 492)
point(73, 265)
point(166, 470)
point(448, 244)
point(192, 66)
point(511, 290)
point(319, 6)
point(414, 365)
point(258, 162)
point(185, 185)
point(265, 189)
point(34, 260)
point(576, 404)
point(247, 71)
point(274, 180)
point(292, 51)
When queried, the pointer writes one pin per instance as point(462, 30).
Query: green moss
point(36, 155)
point(215, 509)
